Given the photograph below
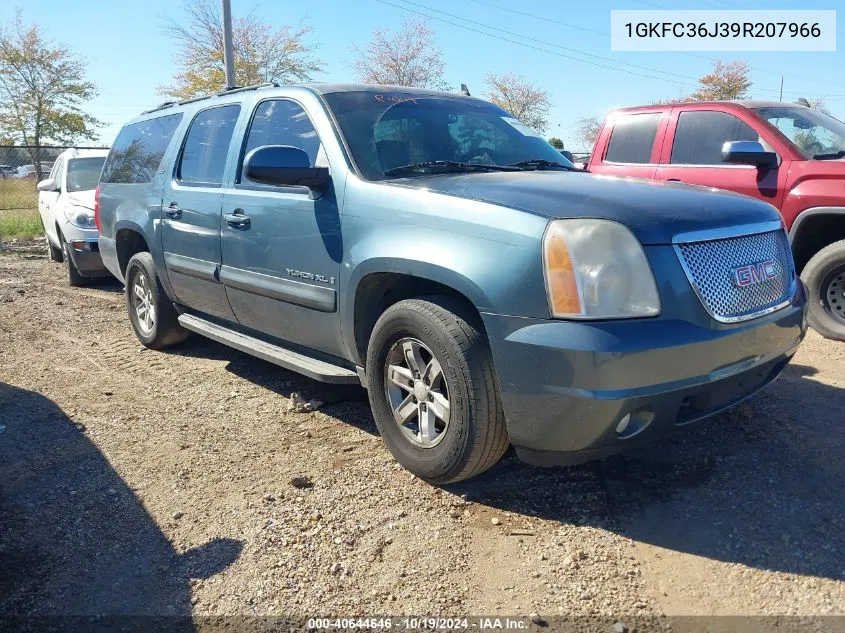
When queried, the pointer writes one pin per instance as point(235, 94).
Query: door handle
point(173, 211)
point(674, 180)
point(237, 219)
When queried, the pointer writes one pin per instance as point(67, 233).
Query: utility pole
point(781, 88)
point(228, 48)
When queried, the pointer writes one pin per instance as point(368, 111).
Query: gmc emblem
point(752, 274)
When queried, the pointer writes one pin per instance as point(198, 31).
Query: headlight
point(81, 217)
point(596, 269)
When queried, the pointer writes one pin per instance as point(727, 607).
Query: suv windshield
point(434, 133)
point(83, 173)
point(814, 133)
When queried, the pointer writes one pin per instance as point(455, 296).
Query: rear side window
point(699, 137)
point(136, 154)
point(207, 146)
point(632, 138)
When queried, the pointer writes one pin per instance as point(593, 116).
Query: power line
point(687, 53)
point(554, 45)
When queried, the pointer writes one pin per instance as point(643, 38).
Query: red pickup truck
point(786, 154)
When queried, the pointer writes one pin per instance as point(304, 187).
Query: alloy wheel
point(417, 392)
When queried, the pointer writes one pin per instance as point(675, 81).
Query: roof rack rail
point(160, 106)
point(266, 84)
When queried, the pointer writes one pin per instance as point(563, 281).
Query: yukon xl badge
point(752, 274)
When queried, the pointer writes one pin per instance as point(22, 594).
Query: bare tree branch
point(521, 98)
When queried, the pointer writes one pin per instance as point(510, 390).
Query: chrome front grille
point(740, 277)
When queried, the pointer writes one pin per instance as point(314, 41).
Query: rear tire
point(423, 354)
point(151, 312)
point(824, 276)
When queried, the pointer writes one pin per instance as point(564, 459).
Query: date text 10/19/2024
point(407, 623)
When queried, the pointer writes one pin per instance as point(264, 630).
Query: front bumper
point(567, 387)
point(85, 255)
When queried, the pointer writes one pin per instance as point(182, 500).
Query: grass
point(22, 224)
point(18, 193)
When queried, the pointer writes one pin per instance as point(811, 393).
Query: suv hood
point(655, 211)
point(83, 198)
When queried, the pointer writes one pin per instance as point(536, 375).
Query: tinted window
point(207, 145)
point(136, 154)
point(393, 129)
point(632, 138)
point(282, 122)
point(700, 135)
point(83, 173)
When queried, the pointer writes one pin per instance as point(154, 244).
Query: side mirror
point(748, 153)
point(283, 165)
point(567, 155)
point(47, 185)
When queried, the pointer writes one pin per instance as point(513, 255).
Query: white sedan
point(66, 206)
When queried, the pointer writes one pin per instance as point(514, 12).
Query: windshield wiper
point(449, 165)
point(541, 163)
point(833, 156)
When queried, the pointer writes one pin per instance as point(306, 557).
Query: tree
point(261, 53)
point(556, 142)
point(42, 90)
point(408, 57)
point(587, 129)
point(524, 100)
point(726, 81)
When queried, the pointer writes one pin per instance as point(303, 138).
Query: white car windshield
point(84, 173)
point(816, 134)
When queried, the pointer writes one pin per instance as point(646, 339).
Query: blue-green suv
point(438, 251)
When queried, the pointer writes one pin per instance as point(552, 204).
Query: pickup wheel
point(151, 312)
point(824, 276)
point(433, 392)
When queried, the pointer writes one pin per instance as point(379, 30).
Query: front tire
point(824, 276)
point(432, 390)
point(74, 277)
point(151, 312)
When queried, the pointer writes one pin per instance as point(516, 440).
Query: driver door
point(694, 155)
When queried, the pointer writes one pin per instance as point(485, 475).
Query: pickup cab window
point(632, 138)
point(700, 134)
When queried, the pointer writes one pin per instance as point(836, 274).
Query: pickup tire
point(425, 357)
point(824, 276)
point(151, 312)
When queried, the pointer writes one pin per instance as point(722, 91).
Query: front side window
point(83, 173)
point(815, 134)
point(136, 154)
point(282, 122)
point(632, 138)
point(207, 146)
point(700, 135)
point(386, 131)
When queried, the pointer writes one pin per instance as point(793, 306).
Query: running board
point(311, 367)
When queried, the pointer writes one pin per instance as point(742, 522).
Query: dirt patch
point(134, 481)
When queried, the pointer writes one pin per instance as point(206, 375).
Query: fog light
point(81, 246)
point(623, 424)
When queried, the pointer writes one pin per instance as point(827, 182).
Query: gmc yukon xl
point(788, 155)
point(436, 250)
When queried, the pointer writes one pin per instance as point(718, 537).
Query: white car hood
point(82, 198)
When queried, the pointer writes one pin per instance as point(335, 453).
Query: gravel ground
point(186, 482)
